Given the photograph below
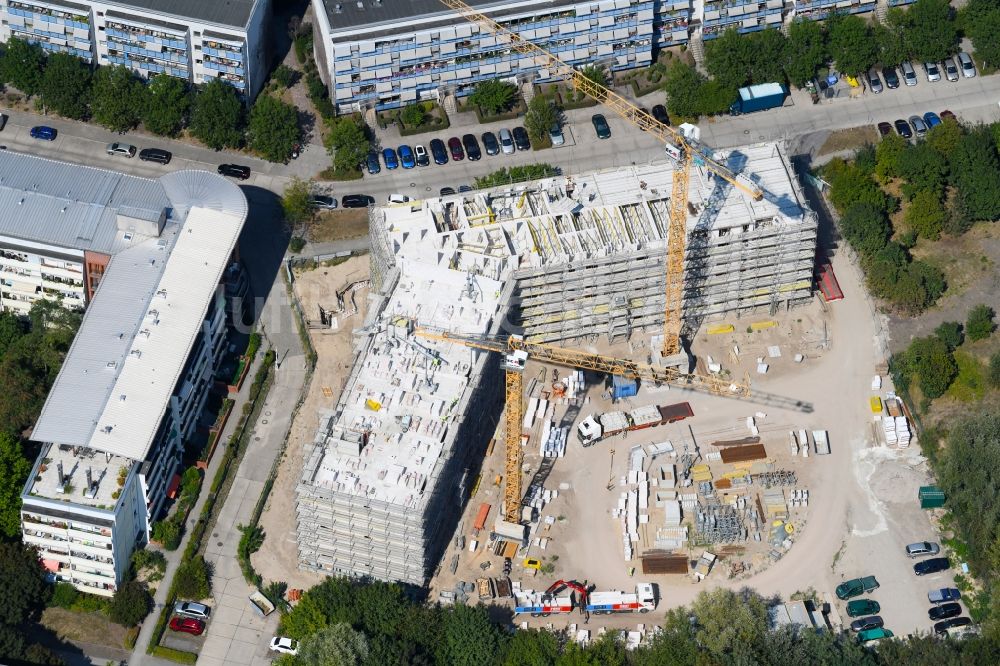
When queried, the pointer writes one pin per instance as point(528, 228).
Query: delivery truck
point(540, 604)
point(760, 97)
point(595, 428)
point(616, 601)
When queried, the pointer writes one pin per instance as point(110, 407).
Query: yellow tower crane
point(681, 148)
point(516, 352)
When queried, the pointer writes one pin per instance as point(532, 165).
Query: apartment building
point(190, 39)
point(383, 54)
point(137, 375)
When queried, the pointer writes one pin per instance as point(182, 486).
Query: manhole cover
point(761, 137)
point(256, 439)
point(269, 413)
point(218, 543)
point(413, 184)
point(746, 131)
point(215, 534)
point(264, 421)
point(427, 189)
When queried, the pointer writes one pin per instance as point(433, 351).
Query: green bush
point(193, 578)
point(284, 75)
point(517, 174)
point(979, 325)
point(993, 373)
point(64, 595)
point(178, 656)
point(168, 532)
point(130, 604)
point(297, 244)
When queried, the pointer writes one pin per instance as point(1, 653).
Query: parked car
point(192, 609)
point(465, 188)
point(943, 626)
point(439, 152)
point(601, 126)
point(285, 645)
point(859, 607)
point(3, 120)
point(323, 202)
point(903, 128)
point(932, 71)
point(471, 147)
point(874, 82)
point(891, 77)
point(884, 129)
point(948, 114)
point(521, 139)
point(872, 622)
point(918, 125)
point(873, 634)
point(556, 134)
point(455, 148)
point(397, 199)
point(922, 547)
point(155, 155)
point(446, 191)
point(660, 113)
point(421, 154)
point(188, 625)
point(506, 142)
point(933, 565)
point(390, 158)
point(856, 587)
point(406, 157)
point(965, 63)
point(944, 611)
point(234, 171)
point(372, 163)
point(490, 143)
point(909, 75)
point(44, 133)
point(356, 201)
point(943, 595)
point(931, 119)
point(950, 69)
point(122, 149)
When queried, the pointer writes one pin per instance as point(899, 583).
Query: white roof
point(133, 344)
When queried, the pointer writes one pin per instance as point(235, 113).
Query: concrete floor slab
point(215, 646)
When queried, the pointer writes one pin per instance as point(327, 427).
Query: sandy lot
point(278, 558)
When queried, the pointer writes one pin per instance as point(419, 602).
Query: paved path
point(237, 636)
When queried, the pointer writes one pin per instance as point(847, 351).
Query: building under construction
point(559, 259)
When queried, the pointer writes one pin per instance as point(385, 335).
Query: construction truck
point(540, 604)
point(593, 429)
point(615, 601)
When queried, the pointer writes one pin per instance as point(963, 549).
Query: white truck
point(822, 442)
point(539, 604)
point(615, 601)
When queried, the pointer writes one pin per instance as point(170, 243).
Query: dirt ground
point(83, 627)
point(334, 225)
point(278, 558)
point(845, 139)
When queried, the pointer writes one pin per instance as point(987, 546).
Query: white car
point(119, 148)
point(192, 609)
point(285, 645)
point(933, 71)
point(397, 199)
point(965, 62)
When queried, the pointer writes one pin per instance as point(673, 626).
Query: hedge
point(179, 656)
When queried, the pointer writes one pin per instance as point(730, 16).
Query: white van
point(398, 199)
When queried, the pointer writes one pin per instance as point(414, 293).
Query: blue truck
point(760, 97)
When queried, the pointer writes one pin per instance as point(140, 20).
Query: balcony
point(82, 535)
point(105, 568)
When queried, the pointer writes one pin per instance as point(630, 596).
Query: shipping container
point(758, 98)
point(677, 412)
point(931, 497)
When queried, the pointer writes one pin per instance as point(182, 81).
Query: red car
point(948, 114)
point(455, 147)
point(188, 625)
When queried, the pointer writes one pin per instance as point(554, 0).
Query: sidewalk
point(139, 655)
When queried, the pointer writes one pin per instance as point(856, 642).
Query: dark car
point(455, 148)
point(157, 155)
point(884, 129)
point(933, 565)
point(521, 139)
point(446, 191)
point(234, 171)
point(944, 611)
point(390, 158)
point(870, 622)
point(945, 625)
point(464, 188)
point(471, 147)
point(421, 153)
point(601, 126)
point(439, 152)
point(406, 157)
point(3, 120)
point(891, 77)
point(903, 128)
point(188, 625)
point(356, 201)
point(490, 143)
point(44, 133)
point(861, 607)
point(372, 163)
point(660, 113)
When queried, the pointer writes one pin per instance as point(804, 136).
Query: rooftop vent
point(361, 6)
point(107, 429)
point(338, 8)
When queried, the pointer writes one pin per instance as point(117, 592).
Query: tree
point(130, 604)
point(943, 137)
point(24, 584)
point(16, 469)
point(993, 372)
point(273, 130)
point(22, 65)
point(727, 621)
point(540, 118)
point(595, 74)
point(413, 115)
point(951, 334)
point(924, 169)
point(888, 156)
point(975, 170)
point(118, 98)
point(168, 101)
point(933, 365)
point(683, 84)
point(335, 645)
point(926, 215)
point(493, 95)
point(217, 117)
point(805, 51)
point(168, 532)
point(531, 648)
point(66, 85)
point(851, 44)
point(931, 34)
point(727, 58)
point(468, 636)
point(850, 185)
point(865, 228)
point(982, 26)
point(890, 38)
point(348, 143)
point(979, 324)
point(194, 578)
point(306, 618)
point(767, 53)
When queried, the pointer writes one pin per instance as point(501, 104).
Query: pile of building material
point(553, 440)
point(672, 538)
point(774, 502)
point(633, 503)
point(663, 562)
point(799, 498)
point(897, 431)
point(536, 409)
point(742, 453)
point(719, 523)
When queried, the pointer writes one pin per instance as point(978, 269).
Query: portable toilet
point(622, 387)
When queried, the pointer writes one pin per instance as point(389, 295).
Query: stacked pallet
point(701, 473)
point(672, 538)
point(902, 432)
point(774, 502)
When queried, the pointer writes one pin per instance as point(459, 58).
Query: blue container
point(623, 388)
